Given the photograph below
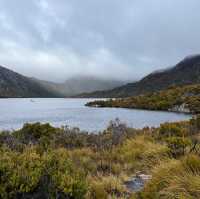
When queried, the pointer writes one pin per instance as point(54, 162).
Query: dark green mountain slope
point(185, 72)
point(13, 84)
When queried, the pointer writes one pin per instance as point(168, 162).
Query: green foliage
point(179, 99)
point(33, 133)
point(65, 177)
point(52, 174)
point(195, 123)
point(20, 172)
point(178, 145)
point(40, 161)
point(168, 129)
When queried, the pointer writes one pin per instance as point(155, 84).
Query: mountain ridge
point(13, 84)
point(187, 71)
point(77, 85)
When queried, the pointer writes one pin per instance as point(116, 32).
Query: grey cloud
point(126, 39)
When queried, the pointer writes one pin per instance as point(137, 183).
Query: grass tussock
point(40, 161)
point(142, 152)
point(175, 179)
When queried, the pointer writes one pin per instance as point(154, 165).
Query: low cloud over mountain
point(55, 40)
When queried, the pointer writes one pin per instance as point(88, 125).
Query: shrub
point(169, 129)
point(32, 133)
point(106, 186)
point(174, 179)
point(178, 145)
point(19, 173)
point(64, 175)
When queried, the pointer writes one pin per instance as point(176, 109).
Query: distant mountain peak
point(81, 84)
point(185, 72)
point(189, 57)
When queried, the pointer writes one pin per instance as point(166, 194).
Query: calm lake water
point(72, 112)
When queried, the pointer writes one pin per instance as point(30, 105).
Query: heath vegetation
point(40, 161)
point(178, 99)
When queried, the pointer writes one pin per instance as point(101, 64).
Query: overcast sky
point(124, 39)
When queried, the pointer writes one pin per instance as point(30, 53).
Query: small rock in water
point(137, 182)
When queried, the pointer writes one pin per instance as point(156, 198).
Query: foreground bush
point(40, 161)
point(27, 174)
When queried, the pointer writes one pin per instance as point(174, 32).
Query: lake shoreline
point(144, 109)
point(74, 113)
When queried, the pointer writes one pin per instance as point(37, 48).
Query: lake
point(72, 112)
